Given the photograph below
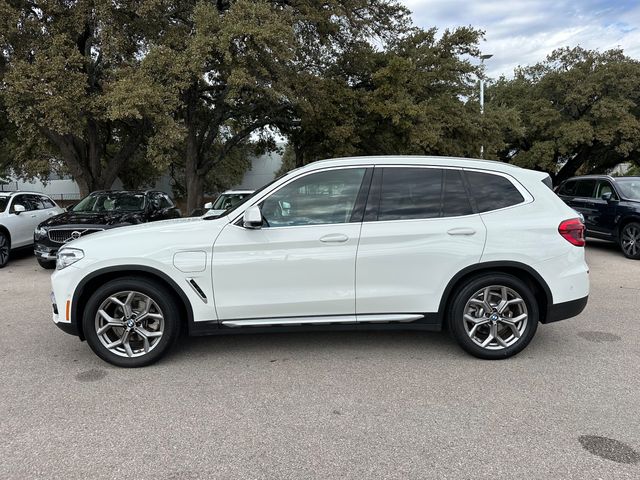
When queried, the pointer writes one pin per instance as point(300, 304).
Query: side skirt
point(424, 322)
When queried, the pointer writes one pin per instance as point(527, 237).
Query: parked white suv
point(484, 249)
point(20, 214)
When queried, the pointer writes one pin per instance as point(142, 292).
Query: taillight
point(573, 231)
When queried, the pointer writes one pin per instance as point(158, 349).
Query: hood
point(143, 239)
point(94, 218)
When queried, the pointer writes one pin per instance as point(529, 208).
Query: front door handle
point(334, 238)
point(461, 231)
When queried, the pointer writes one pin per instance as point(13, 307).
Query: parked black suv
point(96, 212)
point(611, 208)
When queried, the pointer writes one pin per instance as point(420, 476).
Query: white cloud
point(523, 32)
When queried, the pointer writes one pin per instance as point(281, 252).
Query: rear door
point(419, 231)
point(581, 200)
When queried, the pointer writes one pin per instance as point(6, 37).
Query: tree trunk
point(569, 169)
point(194, 180)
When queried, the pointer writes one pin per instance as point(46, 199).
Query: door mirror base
point(608, 197)
point(252, 218)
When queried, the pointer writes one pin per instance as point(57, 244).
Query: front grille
point(66, 235)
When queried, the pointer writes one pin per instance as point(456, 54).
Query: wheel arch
point(88, 284)
point(519, 270)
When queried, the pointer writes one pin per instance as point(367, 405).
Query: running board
point(377, 318)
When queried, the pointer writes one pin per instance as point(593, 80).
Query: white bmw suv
point(483, 249)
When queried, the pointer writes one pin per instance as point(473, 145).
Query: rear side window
point(47, 203)
point(493, 192)
point(410, 193)
point(455, 201)
point(585, 188)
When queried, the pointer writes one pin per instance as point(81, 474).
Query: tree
point(235, 66)
point(579, 111)
point(417, 96)
point(74, 88)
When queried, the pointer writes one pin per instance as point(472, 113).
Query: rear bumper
point(564, 310)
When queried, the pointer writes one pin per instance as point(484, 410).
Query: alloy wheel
point(4, 250)
point(129, 324)
point(495, 317)
point(631, 240)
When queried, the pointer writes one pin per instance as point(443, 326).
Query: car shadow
point(321, 343)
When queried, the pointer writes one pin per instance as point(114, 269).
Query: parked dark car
point(610, 206)
point(96, 212)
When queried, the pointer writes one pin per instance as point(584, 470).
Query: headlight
point(41, 232)
point(68, 256)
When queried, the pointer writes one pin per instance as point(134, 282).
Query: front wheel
point(493, 316)
point(5, 247)
point(131, 322)
point(630, 240)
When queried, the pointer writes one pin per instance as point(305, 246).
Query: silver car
point(20, 214)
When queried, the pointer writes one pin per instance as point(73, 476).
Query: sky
point(524, 32)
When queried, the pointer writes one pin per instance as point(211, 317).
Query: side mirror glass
point(608, 196)
point(208, 206)
point(252, 217)
point(18, 209)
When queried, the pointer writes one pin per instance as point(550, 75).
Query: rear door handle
point(334, 238)
point(461, 231)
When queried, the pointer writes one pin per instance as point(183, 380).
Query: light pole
point(482, 59)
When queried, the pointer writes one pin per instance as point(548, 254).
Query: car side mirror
point(607, 196)
point(208, 206)
point(252, 218)
point(18, 209)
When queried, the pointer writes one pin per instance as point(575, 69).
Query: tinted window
point(455, 200)
point(585, 188)
point(315, 199)
point(111, 201)
point(567, 188)
point(3, 203)
point(409, 193)
point(493, 191)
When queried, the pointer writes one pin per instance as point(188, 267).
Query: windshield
point(229, 200)
point(630, 187)
point(111, 202)
point(3, 203)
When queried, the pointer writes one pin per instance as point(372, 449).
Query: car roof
point(236, 192)
point(132, 192)
point(600, 177)
point(16, 192)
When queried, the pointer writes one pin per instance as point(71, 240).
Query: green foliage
point(578, 112)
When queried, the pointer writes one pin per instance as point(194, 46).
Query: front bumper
point(564, 310)
point(63, 284)
point(44, 252)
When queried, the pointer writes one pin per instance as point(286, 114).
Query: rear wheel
point(630, 240)
point(494, 316)
point(47, 264)
point(131, 322)
point(5, 247)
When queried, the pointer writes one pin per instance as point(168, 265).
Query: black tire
point(5, 249)
point(630, 240)
point(459, 326)
point(47, 264)
point(166, 304)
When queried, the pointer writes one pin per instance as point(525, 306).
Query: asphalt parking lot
point(325, 405)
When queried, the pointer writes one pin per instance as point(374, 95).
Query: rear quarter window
point(493, 192)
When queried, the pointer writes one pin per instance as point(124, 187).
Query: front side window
point(229, 200)
point(47, 202)
point(319, 198)
point(27, 201)
point(603, 188)
point(493, 192)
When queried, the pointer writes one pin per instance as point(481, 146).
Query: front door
point(301, 263)
point(23, 224)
